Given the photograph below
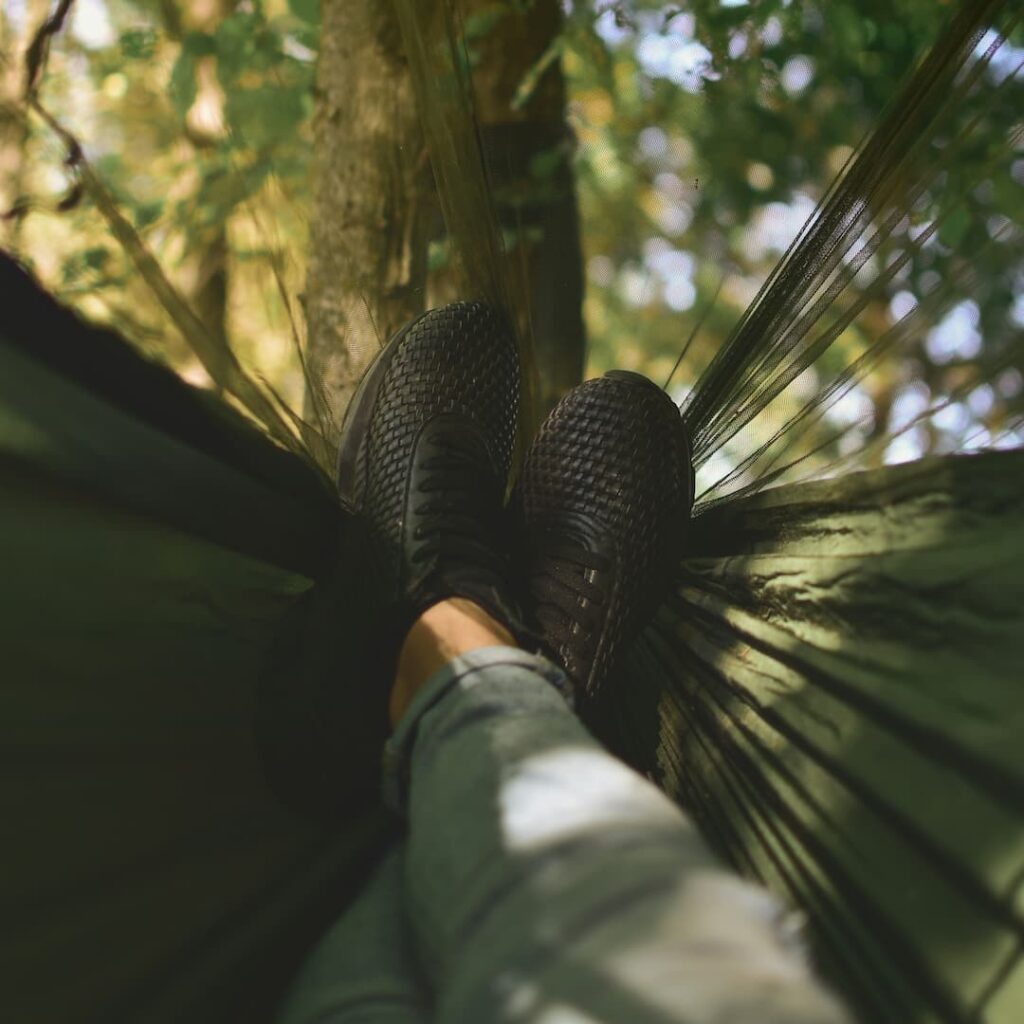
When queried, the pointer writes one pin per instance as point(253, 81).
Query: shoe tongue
point(469, 560)
point(488, 591)
point(457, 443)
point(452, 427)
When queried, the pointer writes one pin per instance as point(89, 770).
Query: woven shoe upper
point(435, 435)
point(604, 496)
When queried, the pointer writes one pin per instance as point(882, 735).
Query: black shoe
point(424, 460)
point(603, 502)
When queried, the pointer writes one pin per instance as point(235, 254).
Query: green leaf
point(96, 257)
point(547, 163)
point(200, 44)
point(266, 114)
point(306, 10)
point(439, 254)
point(182, 86)
point(138, 44)
point(224, 187)
point(532, 78)
point(235, 45)
point(147, 213)
point(78, 263)
point(955, 227)
point(71, 268)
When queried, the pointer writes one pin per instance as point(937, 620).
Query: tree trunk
point(373, 208)
point(528, 149)
point(368, 243)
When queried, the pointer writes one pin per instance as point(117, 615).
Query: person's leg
point(547, 881)
point(364, 970)
point(423, 461)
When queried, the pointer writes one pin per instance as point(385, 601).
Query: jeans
point(544, 881)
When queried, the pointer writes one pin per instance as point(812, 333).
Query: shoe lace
point(564, 592)
point(454, 525)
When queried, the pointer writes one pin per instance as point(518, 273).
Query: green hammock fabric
point(834, 691)
point(151, 555)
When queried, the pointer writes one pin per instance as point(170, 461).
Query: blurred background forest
point(700, 136)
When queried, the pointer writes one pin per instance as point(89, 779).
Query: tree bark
point(374, 209)
point(368, 242)
point(528, 150)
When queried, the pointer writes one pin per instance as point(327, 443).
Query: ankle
point(444, 631)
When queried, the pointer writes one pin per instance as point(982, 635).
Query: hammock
point(153, 546)
point(832, 690)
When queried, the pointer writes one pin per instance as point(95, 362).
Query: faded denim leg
point(549, 883)
point(364, 970)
